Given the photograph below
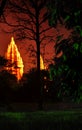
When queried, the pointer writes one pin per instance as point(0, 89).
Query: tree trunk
point(40, 101)
point(40, 104)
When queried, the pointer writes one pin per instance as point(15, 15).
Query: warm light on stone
point(42, 67)
point(16, 60)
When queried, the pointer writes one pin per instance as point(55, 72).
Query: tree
point(68, 66)
point(30, 89)
point(8, 82)
point(30, 17)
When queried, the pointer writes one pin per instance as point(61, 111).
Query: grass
point(41, 120)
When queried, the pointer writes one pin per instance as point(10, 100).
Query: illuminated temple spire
point(14, 56)
point(42, 67)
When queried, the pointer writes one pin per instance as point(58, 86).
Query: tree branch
point(45, 37)
point(21, 9)
point(44, 30)
point(3, 4)
point(44, 18)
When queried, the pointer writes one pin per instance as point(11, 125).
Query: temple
point(15, 59)
point(16, 63)
point(42, 67)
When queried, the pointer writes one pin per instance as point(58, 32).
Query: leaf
point(81, 48)
point(64, 57)
point(81, 87)
point(79, 30)
point(75, 46)
point(77, 13)
point(67, 18)
point(59, 38)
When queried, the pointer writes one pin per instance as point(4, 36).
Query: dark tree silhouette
point(2, 6)
point(3, 61)
point(30, 17)
point(68, 66)
point(31, 23)
point(8, 83)
point(65, 12)
point(30, 89)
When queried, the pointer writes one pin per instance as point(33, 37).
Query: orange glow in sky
point(23, 46)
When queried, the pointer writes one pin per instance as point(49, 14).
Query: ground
point(42, 120)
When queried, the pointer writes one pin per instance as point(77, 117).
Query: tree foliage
point(65, 12)
point(29, 88)
point(67, 68)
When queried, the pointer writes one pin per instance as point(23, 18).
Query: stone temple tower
point(13, 55)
